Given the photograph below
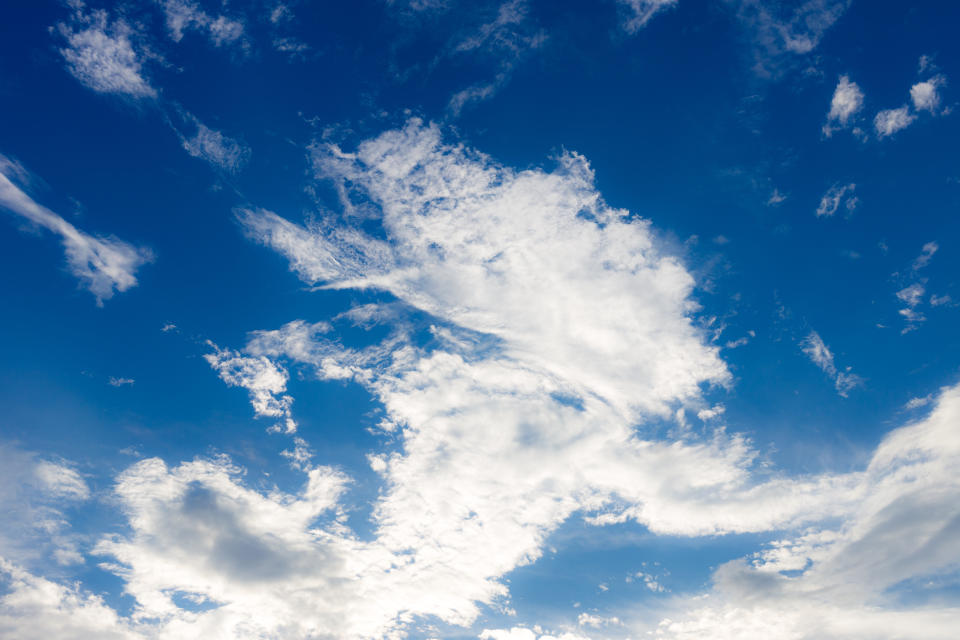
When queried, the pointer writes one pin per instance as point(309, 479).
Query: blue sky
point(508, 320)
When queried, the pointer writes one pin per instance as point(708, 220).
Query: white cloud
point(100, 54)
point(912, 295)
point(509, 37)
point(214, 147)
point(889, 121)
point(104, 264)
point(522, 240)
point(186, 15)
point(782, 30)
point(819, 353)
point(926, 95)
point(523, 633)
point(847, 576)
point(121, 382)
point(846, 103)
point(33, 608)
point(776, 198)
point(833, 198)
point(559, 329)
point(33, 495)
point(265, 381)
point(916, 403)
point(926, 254)
point(641, 11)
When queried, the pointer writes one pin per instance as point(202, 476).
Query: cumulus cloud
point(639, 12)
point(101, 55)
point(265, 381)
point(846, 103)
point(104, 265)
point(819, 353)
point(559, 331)
point(889, 121)
point(926, 95)
point(835, 196)
point(34, 608)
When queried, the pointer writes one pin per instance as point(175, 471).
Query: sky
point(510, 320)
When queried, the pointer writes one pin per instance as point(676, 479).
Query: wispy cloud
point(104, 265)
point(509, 38)
point(835, 196)
point(819, 353)
point(640, 12)
point(186, 15)
point(781, 30)
point(216, 148)
point(912, 295)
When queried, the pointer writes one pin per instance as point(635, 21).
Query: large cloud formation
point(558, 339)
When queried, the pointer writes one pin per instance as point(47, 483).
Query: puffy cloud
point(641, 11)
point(33, 608)
point(889, 121)
point(846, 103)
point(496, 251)
point(265, 381)
point(833, 198)
point(100, 54)
point(926, 95)
point(816, 349)
point(103, 264)
point(558, 330)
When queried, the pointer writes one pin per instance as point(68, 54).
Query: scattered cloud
point(781, 30)
point(889, 121)
point(186, 15)
point(835, 196)
point(776, 198)
point(100, 54)
point(510, 37)
point(816, 349)
point(639, 12)
point(121, 382)
point(265, 381)
point(916, 403)
point(926, 95)
point(912, 294)
point(214, 147)
point(847, 102)
point(104, 265)
point(926, 254)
